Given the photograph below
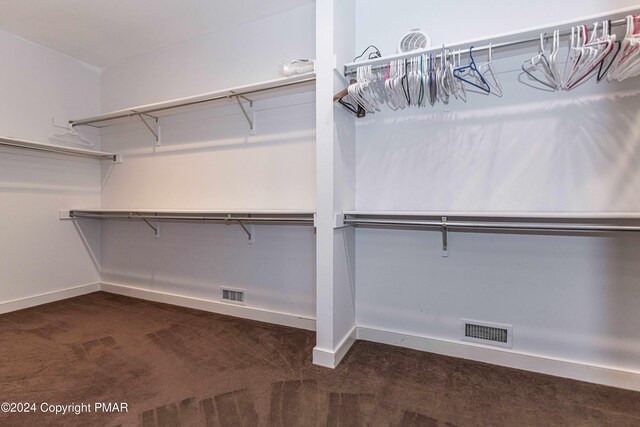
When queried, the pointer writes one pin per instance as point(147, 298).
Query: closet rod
point(225, 218)
point(381, 63)
point(37, 146)
point(491, 225)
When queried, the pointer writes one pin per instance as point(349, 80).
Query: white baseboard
point(331, 359)
point(605, 375)
point(212, 306)
point(22, 303)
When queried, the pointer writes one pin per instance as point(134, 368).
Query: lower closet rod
point(192, 218)
point(493, 225)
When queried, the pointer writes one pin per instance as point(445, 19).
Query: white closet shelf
point(277, 217)
point(6, 141)
point(282, 86)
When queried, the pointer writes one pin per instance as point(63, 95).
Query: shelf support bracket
point(244, 227)
point(248, 115)
point(156, 228)
point(445, 238)
point(156, 131)
point(246, 230)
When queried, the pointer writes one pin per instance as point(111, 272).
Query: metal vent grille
point(487, 333)
point(233, 296)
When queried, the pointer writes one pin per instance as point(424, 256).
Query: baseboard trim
point(331, 359)
point(604, 375)
point(212, 306)
point(46, 298)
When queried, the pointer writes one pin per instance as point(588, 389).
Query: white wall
point(568, 297)
point(246, 54)
point(208, 160)
point(38, 253)
point(195, 260)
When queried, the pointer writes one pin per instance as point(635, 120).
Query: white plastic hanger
point(70, 136)
point(487, 71)
point(554, 60)
point(591, 52)
point(538, 68)
point(627, 63)
point(444, 91)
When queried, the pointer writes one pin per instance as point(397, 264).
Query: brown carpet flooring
point(175, 366)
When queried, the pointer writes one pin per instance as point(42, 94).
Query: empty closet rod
point(381, 63)
point(492, 225)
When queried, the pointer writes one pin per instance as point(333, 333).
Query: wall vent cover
point(235, 296)
point(487, 333)
point(413, 40)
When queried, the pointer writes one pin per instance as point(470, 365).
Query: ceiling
point(104, 32)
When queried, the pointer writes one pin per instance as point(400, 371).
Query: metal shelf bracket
point(156, 131)
point(249, 115)
point(244, 228)
point(156, 228)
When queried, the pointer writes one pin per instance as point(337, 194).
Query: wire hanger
point(474, 70)
point(460, 87)
point(71, 135)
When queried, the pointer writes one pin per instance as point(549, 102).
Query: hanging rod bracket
point(244, 227)
point(249, 115)
point(445, 238)
point(246, 230)
point(156, 228)
point(156, 131)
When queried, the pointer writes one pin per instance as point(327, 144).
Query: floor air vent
point(233, 295)
point(487, 333)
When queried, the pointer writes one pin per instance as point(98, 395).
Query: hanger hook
point(471, 54)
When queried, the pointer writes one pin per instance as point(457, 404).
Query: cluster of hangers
point(591, 52)
point(427, 79)
point(420, 81)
